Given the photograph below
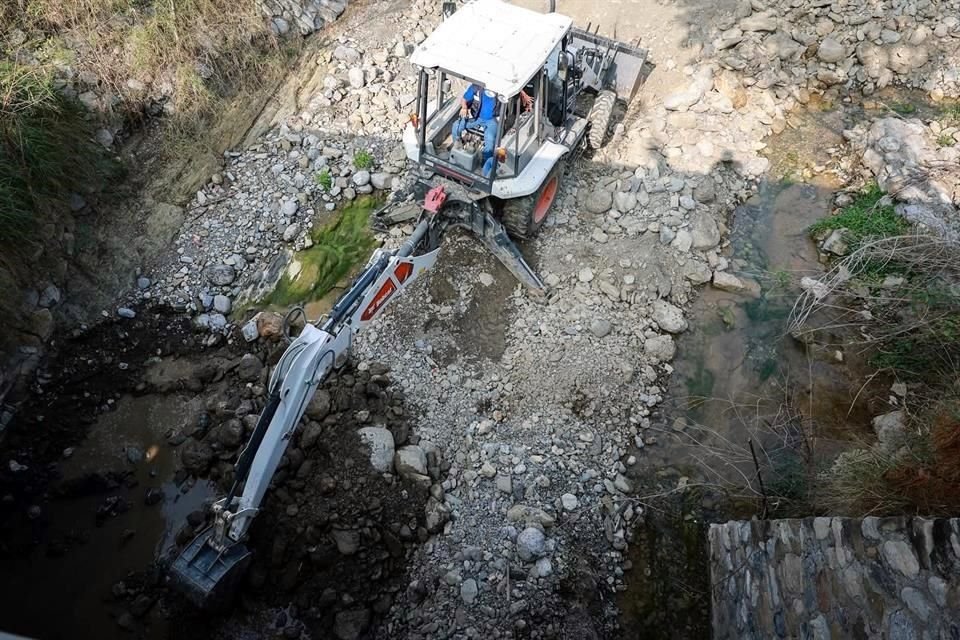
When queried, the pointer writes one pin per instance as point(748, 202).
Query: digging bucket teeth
point(207, 577)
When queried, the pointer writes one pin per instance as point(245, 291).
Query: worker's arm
point(526, 100)
point(466, 100)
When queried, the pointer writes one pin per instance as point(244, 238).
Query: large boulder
point(381, 445)
point(668, 317)
point(411, 461)
point(660, 348)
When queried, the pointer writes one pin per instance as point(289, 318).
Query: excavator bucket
point(609, 64)
point(207, 577)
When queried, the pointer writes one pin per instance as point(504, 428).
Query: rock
point(356, 78)
point(682, 241)
point(291, 232)
point(469, 591)
point(504, 483)
point(280, 26)
point(728, 282)
point(818, 288)
point(668, 317)
point(222, 304)
point(381, 444)
point(104, 137)
point(569, 502)
point(905, 58)
point(230, 434)
point(41, 324)
point(835, 243)
point(361, 178)
point(660, 348)
point(269, 324)
point(134, 454)
point(831, 51)
point(599, 201)
point(220, 275)
point(347, 540)
point(77, 203)
point(600, 327)
point(625, 201)
point(705, 231)
point(49, 297)
point(410, 461)
point(311, 433)
point(196, 457)
point(900, 556)
point(622, 484)
point(890, 428)
point(681, 100)
point(350, 624)
point(381, 180)
point(705, 192)
point(143, 283)
point(290, 207)
point(319, 406)
point(485, 279)
point(346, 54)
point(543, 567)
point(585, 275)
point(249, 368)
point(531, 544)
point(126, 312)
point(759, 22)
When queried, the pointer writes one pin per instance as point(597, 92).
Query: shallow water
point(80, 581)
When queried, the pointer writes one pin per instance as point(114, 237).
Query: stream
point(739, 377)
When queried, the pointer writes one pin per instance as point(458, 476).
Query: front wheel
point(599, 118)
point(524, 216)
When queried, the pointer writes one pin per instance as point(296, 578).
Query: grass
point(47, 151)
point(363, 159)
point(868, 216)
point(337, 249)
point(903, 108)
point(946, 140)
point(198, 49)
point(951, 112)
point(324, 179)
point(920, 475)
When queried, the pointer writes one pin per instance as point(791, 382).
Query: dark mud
point(132, 436)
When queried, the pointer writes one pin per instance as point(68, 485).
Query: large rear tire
point(600, 115)
point(524, 216)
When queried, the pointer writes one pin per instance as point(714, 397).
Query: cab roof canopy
point(496, 44)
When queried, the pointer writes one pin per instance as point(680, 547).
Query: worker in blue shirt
point(484, 112)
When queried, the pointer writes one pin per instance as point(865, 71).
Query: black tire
point(524, 216)
point(599, 118)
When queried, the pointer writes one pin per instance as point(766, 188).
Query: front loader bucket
point(615, 65)
point(207, 577)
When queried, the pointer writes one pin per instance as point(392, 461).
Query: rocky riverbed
point(475, 472)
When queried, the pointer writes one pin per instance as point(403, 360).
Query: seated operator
point(480, 108)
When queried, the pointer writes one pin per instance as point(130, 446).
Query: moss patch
point(338, 248)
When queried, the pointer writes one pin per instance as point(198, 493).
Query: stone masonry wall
point(305, 15)
point(823, 578)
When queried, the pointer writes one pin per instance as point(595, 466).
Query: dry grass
point(193, 51)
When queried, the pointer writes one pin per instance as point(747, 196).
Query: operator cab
point(503, 49)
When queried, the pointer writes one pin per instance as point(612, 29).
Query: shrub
point(363, 159)
point(324, 179)
point(946, 140)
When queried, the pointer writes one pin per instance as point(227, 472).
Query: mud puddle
point(117, 511)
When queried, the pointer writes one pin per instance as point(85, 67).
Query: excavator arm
point(209, 567)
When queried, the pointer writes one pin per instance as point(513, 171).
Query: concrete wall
point(819, 578)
